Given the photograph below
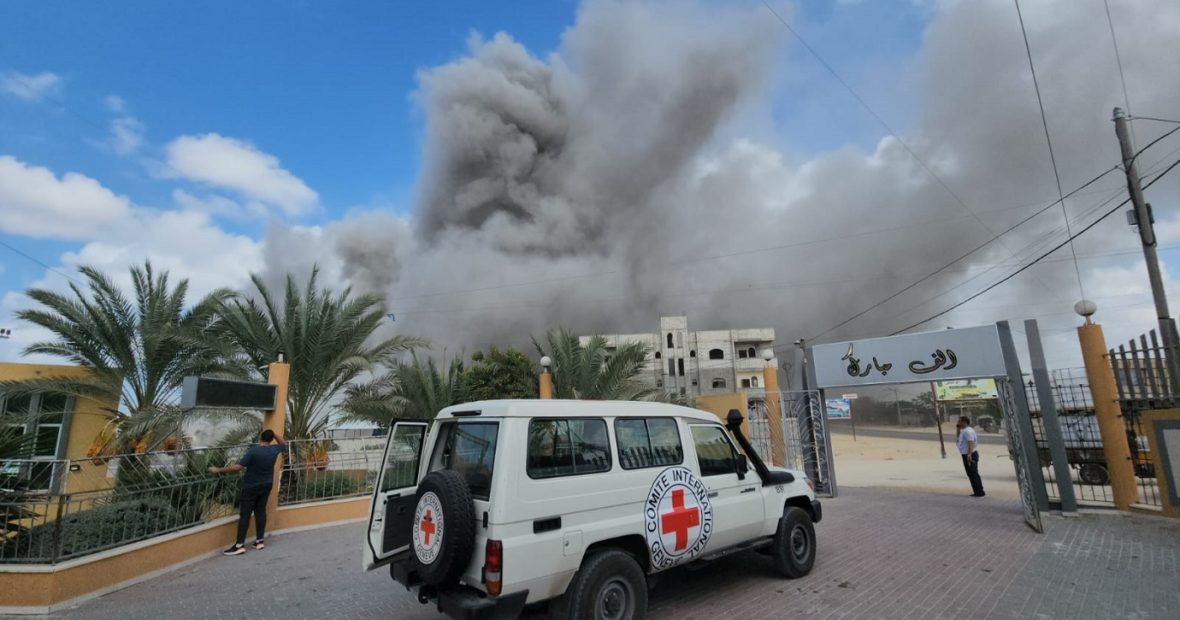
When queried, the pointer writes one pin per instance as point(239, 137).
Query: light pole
point(5, 333)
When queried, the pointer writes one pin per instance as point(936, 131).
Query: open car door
point(392, 508)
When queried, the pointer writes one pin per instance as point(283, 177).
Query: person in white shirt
point(968, 441)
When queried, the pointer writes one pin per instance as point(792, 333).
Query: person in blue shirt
point(259, 463)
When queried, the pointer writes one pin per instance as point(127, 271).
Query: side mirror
point(743, 466)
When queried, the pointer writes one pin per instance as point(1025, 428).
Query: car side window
point(715, 454)
point(468, 448)
point(648, 442)
point(567, 447)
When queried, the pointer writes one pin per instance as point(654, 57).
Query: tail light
point(493, 567)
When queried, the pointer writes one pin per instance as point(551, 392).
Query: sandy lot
point(916, 464)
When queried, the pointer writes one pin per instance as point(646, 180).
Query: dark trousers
point(971, 464)
point(253, 501)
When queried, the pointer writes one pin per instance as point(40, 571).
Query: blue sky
point(326, 87)
point(317, 100)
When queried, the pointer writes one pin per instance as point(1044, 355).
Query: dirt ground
point(916, 464)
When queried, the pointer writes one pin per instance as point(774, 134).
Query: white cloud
point(36, 203)
point(233, 164)
point(218, 205)
point(126, 135)
point(115, 103)
point(29, 87)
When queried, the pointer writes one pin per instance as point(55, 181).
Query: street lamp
point(5, 333)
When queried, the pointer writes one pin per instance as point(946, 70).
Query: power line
point(956, 260)
point(1158, 120)
point(977, 248)
point(884, 124)
point(1119, 61)
point(1038, 259)
point(35, 260)
point(1049, 142)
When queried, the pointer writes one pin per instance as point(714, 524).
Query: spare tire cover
point(443, 530)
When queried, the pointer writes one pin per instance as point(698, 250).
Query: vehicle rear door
point(392, 507)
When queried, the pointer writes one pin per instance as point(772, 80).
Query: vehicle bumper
point(460, 602)
point(467, 604)
point(818, 510)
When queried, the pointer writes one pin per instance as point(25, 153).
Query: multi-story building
point(701, 362)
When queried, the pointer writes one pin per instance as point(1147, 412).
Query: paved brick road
point(883, 554)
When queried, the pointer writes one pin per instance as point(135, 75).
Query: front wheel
point(794, 544)
point(609, 586)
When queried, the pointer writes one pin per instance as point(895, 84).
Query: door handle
point(714, 493)
point(749, 489)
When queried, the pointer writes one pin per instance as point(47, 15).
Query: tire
point(1093, 473)
point(610, 585)
point(455, 527)
point(794, 544)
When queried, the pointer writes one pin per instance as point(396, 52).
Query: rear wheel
point(609, 586)
point(794, 543)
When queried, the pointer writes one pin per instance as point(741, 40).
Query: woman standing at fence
point(259, 463)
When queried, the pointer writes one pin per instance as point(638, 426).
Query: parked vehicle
point(499, 504)
point(1083, 448)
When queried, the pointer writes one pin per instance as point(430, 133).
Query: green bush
point(101, 527)
point(310, 485)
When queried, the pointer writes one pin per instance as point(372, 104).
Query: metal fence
point(321, 469)
point(1146, 375)
point(59, 510)
point(1082, 441)
point(803, 439)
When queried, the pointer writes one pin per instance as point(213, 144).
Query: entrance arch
point(985, 352)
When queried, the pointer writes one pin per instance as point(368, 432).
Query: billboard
point(966, 389)
point(839, 409)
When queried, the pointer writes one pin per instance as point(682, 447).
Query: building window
point(745, 383)
point(672, 367)
point(680, 366)
point(716, 354)
point(36, 427)
point(692, 353)
point(753, 381)
point(657, 355)
point(718, 383)
point(694, 381)
point(679, 340)
point(659, 383)
point(750, 353)
point(741, 354)
point(669, 340)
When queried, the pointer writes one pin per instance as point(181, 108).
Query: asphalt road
point(846, 429)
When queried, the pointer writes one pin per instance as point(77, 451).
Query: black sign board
point(208, 393)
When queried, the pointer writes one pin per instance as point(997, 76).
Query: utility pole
point(1146, 231)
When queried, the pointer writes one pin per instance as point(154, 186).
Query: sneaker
point(235, 550)
point(258, 544)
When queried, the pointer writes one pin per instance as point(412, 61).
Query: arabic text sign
point(839, 409)
point(968, 353)
point(966, 389)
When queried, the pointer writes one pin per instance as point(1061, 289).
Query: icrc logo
point(428, 528)
point(678, 518)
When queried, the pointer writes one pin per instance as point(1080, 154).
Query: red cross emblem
point(680, 520)
point(427, 526)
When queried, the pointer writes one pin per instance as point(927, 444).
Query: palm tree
point(416, 390)
point(138, 350)
point(592, 372)
point(325, 337)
